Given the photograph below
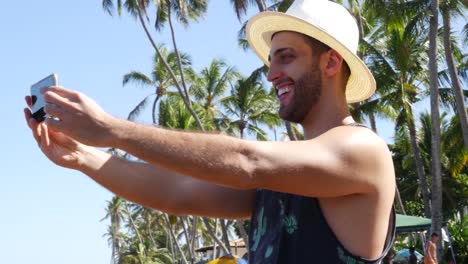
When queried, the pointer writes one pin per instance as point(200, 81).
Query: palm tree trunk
point(148, 227)
point(399, 201)
point(176, 50)
point(194, 233)
point(360, 27)
point(187, 101)
point(361, 55)
point(243, 232)
point(169, 70)
point(185, 225)
point(435, 133)
point(210, 231)
point(215, 252)
point(225, 234)
point(135, 228)
point(419, 166)
point(290, 130)
point(455, 80)
point(174, 237)
point(372, 122)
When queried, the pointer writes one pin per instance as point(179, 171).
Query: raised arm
point(141, 182)
point(157, 188)
point(342, 161)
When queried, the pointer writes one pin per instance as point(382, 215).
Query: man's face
point(296, 75)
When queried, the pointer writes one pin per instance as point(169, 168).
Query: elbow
point(250, 171)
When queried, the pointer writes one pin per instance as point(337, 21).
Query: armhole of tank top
point(356, 124)
point(389, 239)
point(390, 235)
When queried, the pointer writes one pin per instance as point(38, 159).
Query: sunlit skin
point(220, 173)
point(312, 83)
point(315, 98)
point(297, 96)
point(431, 254)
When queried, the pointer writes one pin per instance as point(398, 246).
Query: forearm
point(135, 181)
point(160, 189)
point(209, 157)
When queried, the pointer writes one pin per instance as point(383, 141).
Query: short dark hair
point(434, 234)
point(320, 48)
point(412, 249)
point(316, 45)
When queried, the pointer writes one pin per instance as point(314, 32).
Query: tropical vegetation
point(417, 57)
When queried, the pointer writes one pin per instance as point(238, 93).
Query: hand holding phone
point(37, 99)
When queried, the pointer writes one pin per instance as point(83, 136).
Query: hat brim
point(260, 29)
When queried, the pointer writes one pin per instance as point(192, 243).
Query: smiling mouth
point(283, 90)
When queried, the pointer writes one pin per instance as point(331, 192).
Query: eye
point(286, 57)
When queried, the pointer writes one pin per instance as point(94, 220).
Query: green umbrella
point(408, 223)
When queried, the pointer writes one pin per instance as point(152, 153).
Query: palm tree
point(212, 84)
point(241, 6)
point(398, 57)
point(252, 106)
point(436, 197)
point(369, 23)
point(159, 81)
point(184, 11)
point(454, 159)
point(449, 8)
point(116, 212)
point(362, 108)
point(173, 114)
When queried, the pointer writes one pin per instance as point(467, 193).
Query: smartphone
point(37, 99)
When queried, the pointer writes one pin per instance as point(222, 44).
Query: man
point(326, 199)
point(431, 250)
point(413, 259)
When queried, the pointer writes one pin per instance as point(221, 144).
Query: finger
point(32, 123)
point(28, 101)
point(41, 141)
point(52, 97)
point(27, 116)
point(64, 92)
point(53, 110)
point(45, 135)
point(55, 123)
point(36, 130)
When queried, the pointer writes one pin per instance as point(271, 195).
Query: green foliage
point(458, 228)
point(454, 165)
point(394, 46)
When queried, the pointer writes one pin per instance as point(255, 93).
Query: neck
point(331, 111)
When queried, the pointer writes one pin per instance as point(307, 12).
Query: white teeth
point(283, 90)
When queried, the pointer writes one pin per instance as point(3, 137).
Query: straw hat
point(326, 21)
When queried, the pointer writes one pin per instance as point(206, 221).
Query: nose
point(273, 73)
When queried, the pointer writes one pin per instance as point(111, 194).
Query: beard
point(307, 92)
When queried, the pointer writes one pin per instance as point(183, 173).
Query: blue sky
point(51, 214)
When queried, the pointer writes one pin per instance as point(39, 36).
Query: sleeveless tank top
point(288, 229)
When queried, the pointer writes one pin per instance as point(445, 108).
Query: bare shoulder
point(357, 142)
point(363, 151)
point(366, 157)
point(354, 136)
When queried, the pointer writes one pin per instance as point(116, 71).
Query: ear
point(334, 61)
